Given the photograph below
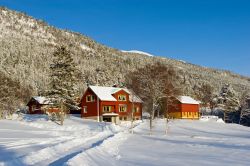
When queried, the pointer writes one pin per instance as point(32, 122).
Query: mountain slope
point(27, 44)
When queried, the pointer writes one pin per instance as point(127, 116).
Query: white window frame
point(92, 98)
point(106, 106)
point(136, 109)
point(85, 110)
point(123, 105)
point(124, 97)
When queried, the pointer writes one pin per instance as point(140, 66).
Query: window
point(122, 97)
point(136, 109)
point(122, 108)
point(90, 98)
point(84, 109)
point(106, 109)
point(125, 118)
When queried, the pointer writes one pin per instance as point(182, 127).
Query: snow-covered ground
point(37, 141)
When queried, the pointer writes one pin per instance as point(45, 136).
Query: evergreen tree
point(63, 78)
point(228, 102)
point(245, 110)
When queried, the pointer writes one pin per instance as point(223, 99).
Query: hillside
point(27, 44)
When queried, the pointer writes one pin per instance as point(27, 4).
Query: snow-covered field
point(37, 141)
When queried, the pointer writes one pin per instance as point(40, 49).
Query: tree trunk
point(151, 119)
point(150, 125)
point(61, 113)
point(225, 117)
point(166, 114)
point(132, 118)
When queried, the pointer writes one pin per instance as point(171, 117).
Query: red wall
point(91, 106)
point(180, 107)
point(189, 107)
point(175, 107)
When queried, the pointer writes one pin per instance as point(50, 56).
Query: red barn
point(110, 104)
point(184, 107)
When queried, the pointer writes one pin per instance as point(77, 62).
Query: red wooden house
point(36, 104)
point(184, 107)
point(110, 104)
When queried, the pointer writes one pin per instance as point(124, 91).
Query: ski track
point(113, 142)
point(87, 147)
point(62, 151)
point(58, 150)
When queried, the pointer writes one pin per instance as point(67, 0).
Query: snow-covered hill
point(36, 141)
point(27, 45)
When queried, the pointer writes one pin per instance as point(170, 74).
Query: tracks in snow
point(67, 147)
point(61, 152)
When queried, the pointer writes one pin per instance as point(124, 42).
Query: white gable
point(187, 100)
point(105, 93)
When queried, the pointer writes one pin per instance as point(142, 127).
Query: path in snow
point(36, 141)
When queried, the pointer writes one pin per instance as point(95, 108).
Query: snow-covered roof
point(187, 100)
point(106, 93)
point(134, 98)
point(41, 99)
point(110, 114)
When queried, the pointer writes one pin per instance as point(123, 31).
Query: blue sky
point(212, 33)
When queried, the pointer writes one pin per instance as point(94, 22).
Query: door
point(107, 119)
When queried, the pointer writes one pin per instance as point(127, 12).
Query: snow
point(84, 47)
point(220, 121)
point(209, 117)
point(187, 100)
point(106, 93)
point(145, 115)
point(134, 98)
point(34, 140)
point(110, 114)
point(187, 143)
point(182, 61)
point(41, 100)
point(137, 52)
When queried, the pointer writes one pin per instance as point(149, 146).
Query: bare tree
point(152, 83)
point(205, 94)
point(172, 91)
